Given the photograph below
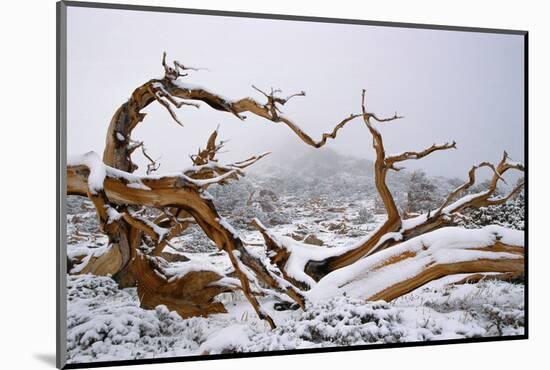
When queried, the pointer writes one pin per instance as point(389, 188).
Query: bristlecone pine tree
point(398, 257)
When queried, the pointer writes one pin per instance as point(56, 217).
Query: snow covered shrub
point(510, 214)
point(487, 308)
point(77, 205)
point(81, 216)
point(340, 321)
point(421, 193)
point(504, 321)
point(365, 215)
point(345, 321)
point(88, 287)
point(105, 323)
point(194, 240)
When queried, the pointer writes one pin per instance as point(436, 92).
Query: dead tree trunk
point(136, 242)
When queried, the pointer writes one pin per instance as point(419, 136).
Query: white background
point(27, 195)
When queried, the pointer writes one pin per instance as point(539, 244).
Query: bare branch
point(502, 200)
point(301, 93)
point(134, 145)
point(209, 153)
point(181, 67)
point(250, 161)
point(165, 105)
point(177, 104)
point(465, 186)
point(207, 171)
point(154, 231)
point(484, 198)
point(388, 119)
point(418, 155)
point(272, 98)
point(176, 229)
point(262, 92)
point(164, 62)
point(153, 165)
point(380, 169)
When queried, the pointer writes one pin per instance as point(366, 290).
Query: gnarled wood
point(191, 295)
point(179, 192)
point(511, 267)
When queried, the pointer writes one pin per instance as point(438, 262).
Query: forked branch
point(390, 161)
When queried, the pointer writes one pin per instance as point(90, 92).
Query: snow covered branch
point(409, 265)
point(109, 187)
point(483, 198)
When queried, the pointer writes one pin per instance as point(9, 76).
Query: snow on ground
point(105, 323)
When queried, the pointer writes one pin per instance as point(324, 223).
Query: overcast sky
point(449, 85)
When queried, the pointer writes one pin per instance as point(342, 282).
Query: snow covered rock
point(313, 240)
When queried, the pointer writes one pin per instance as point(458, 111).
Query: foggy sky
point(449, 85)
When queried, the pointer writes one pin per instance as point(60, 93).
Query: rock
point(408, 215)
point(313, 240)
point(278, 220)
point(266, 206)
point(216, 254)
point(285, 306)
point(174, 257)
point(336, 226)
point(296, 236)
point(270, 194)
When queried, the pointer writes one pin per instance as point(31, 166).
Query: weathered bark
point(505, 266)
point(118, 148)
point(191, 295)
point(517, 277)
point(512, 267)
point(393, 272)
